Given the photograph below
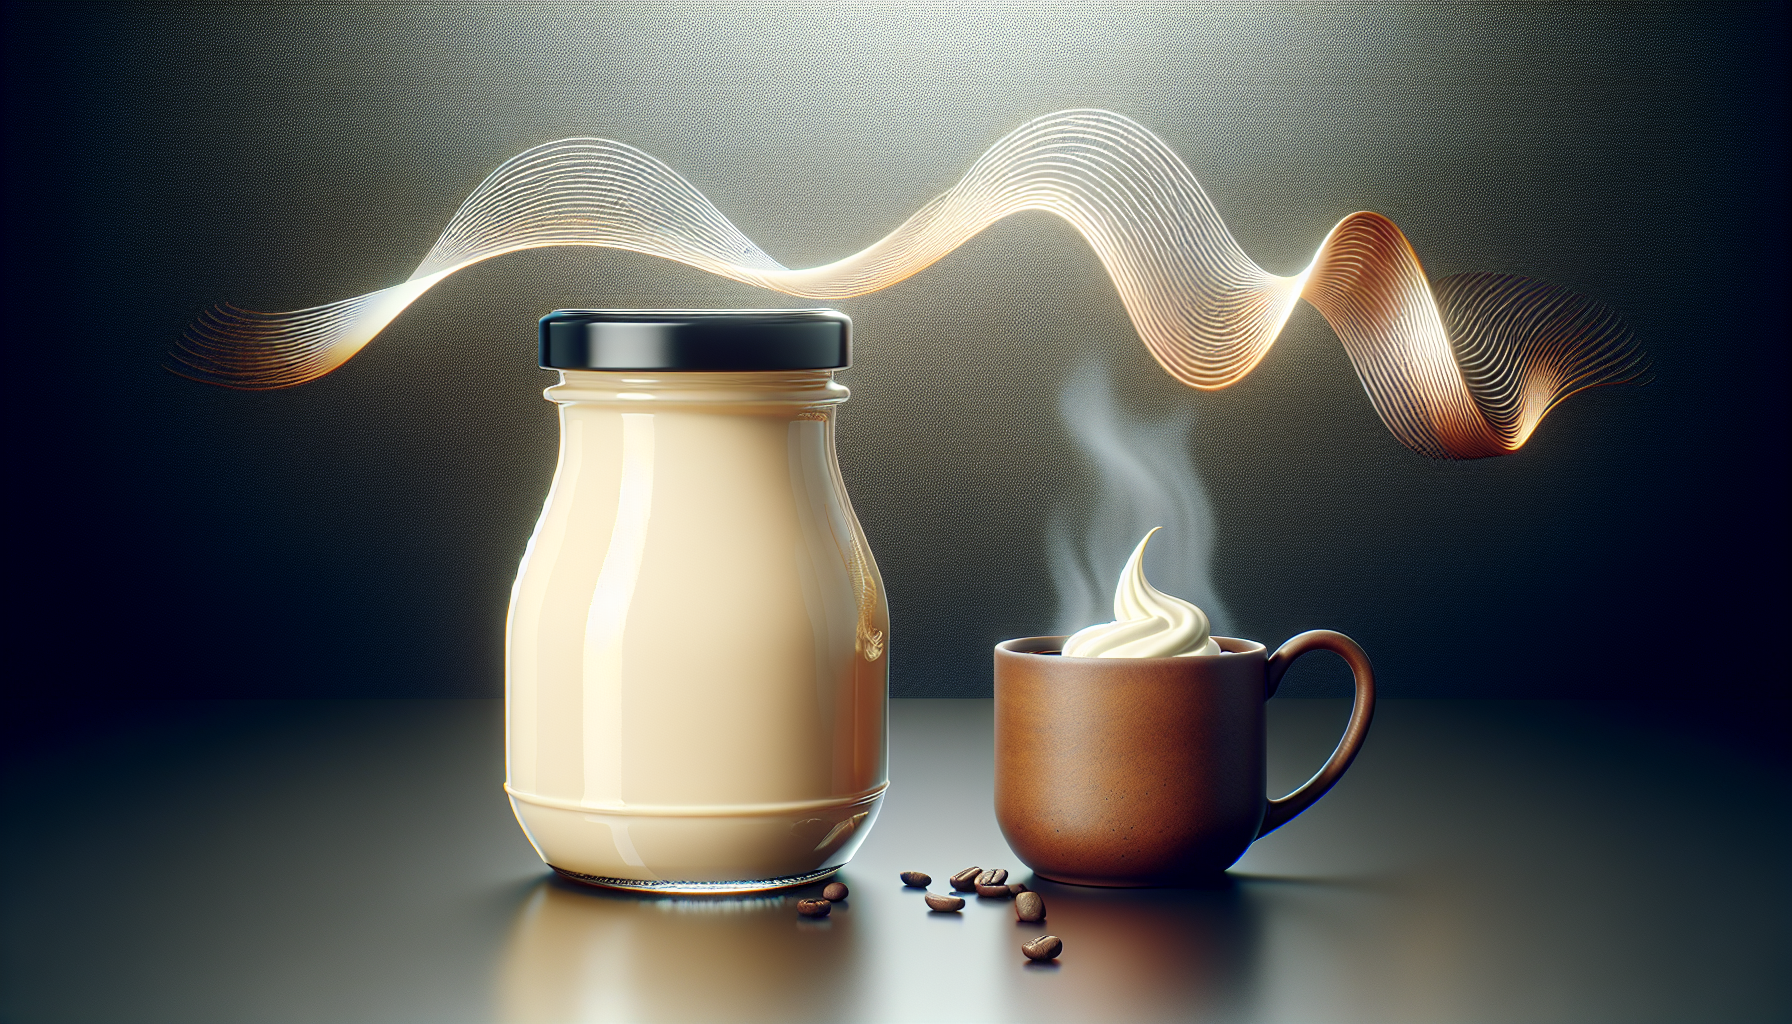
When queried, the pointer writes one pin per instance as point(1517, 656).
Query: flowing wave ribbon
point(1465, 370)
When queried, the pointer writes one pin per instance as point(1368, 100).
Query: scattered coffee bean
point(994, 892)
point(1045, 947)
point(918, 879)
point(814, 908)
point(1016, 888)
point(944, 903)
point(994, 876)
point(966, 880)
point(835, 892)
point(1029, 906)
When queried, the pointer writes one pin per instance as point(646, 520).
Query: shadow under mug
point(1149, 771)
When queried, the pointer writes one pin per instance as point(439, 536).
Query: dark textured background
point(358, 535)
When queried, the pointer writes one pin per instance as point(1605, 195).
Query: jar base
point(737, 848)
point(696, 888)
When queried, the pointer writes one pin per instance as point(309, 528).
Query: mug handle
point(1280, 812)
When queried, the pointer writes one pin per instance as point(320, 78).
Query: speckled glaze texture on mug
point(1129, 771)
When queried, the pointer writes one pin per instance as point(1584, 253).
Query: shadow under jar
point(696, 668)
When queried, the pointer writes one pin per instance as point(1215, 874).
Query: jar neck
point(649, 387)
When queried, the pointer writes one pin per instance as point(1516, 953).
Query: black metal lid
point(695, 339)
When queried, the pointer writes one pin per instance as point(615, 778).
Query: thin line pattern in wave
point(1463, 370)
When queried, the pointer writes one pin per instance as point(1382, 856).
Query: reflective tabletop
point(356, 861)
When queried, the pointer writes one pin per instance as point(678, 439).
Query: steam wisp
point(1144, 478)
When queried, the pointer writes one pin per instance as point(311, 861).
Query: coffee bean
point(1016, 888)
point(994, 876)
point(966, 880)
point(836, 891)
point(918, 879)
point(994, 892)
point(944, 903)
point(814, 908)
point(1029, 906)
point(1045, 947)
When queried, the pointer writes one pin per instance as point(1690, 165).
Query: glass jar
point(697, 658)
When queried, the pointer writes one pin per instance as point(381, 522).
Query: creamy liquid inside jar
point(697, 659)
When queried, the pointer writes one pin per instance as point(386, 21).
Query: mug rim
point(1052, 646)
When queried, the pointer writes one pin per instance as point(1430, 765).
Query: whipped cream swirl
point(1148, 623)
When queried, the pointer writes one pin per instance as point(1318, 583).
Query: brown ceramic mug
point(1149, 771)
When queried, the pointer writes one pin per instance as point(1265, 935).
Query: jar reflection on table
point(577, 954)
point(697, 659)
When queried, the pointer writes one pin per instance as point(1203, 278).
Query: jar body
point(697, 667)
